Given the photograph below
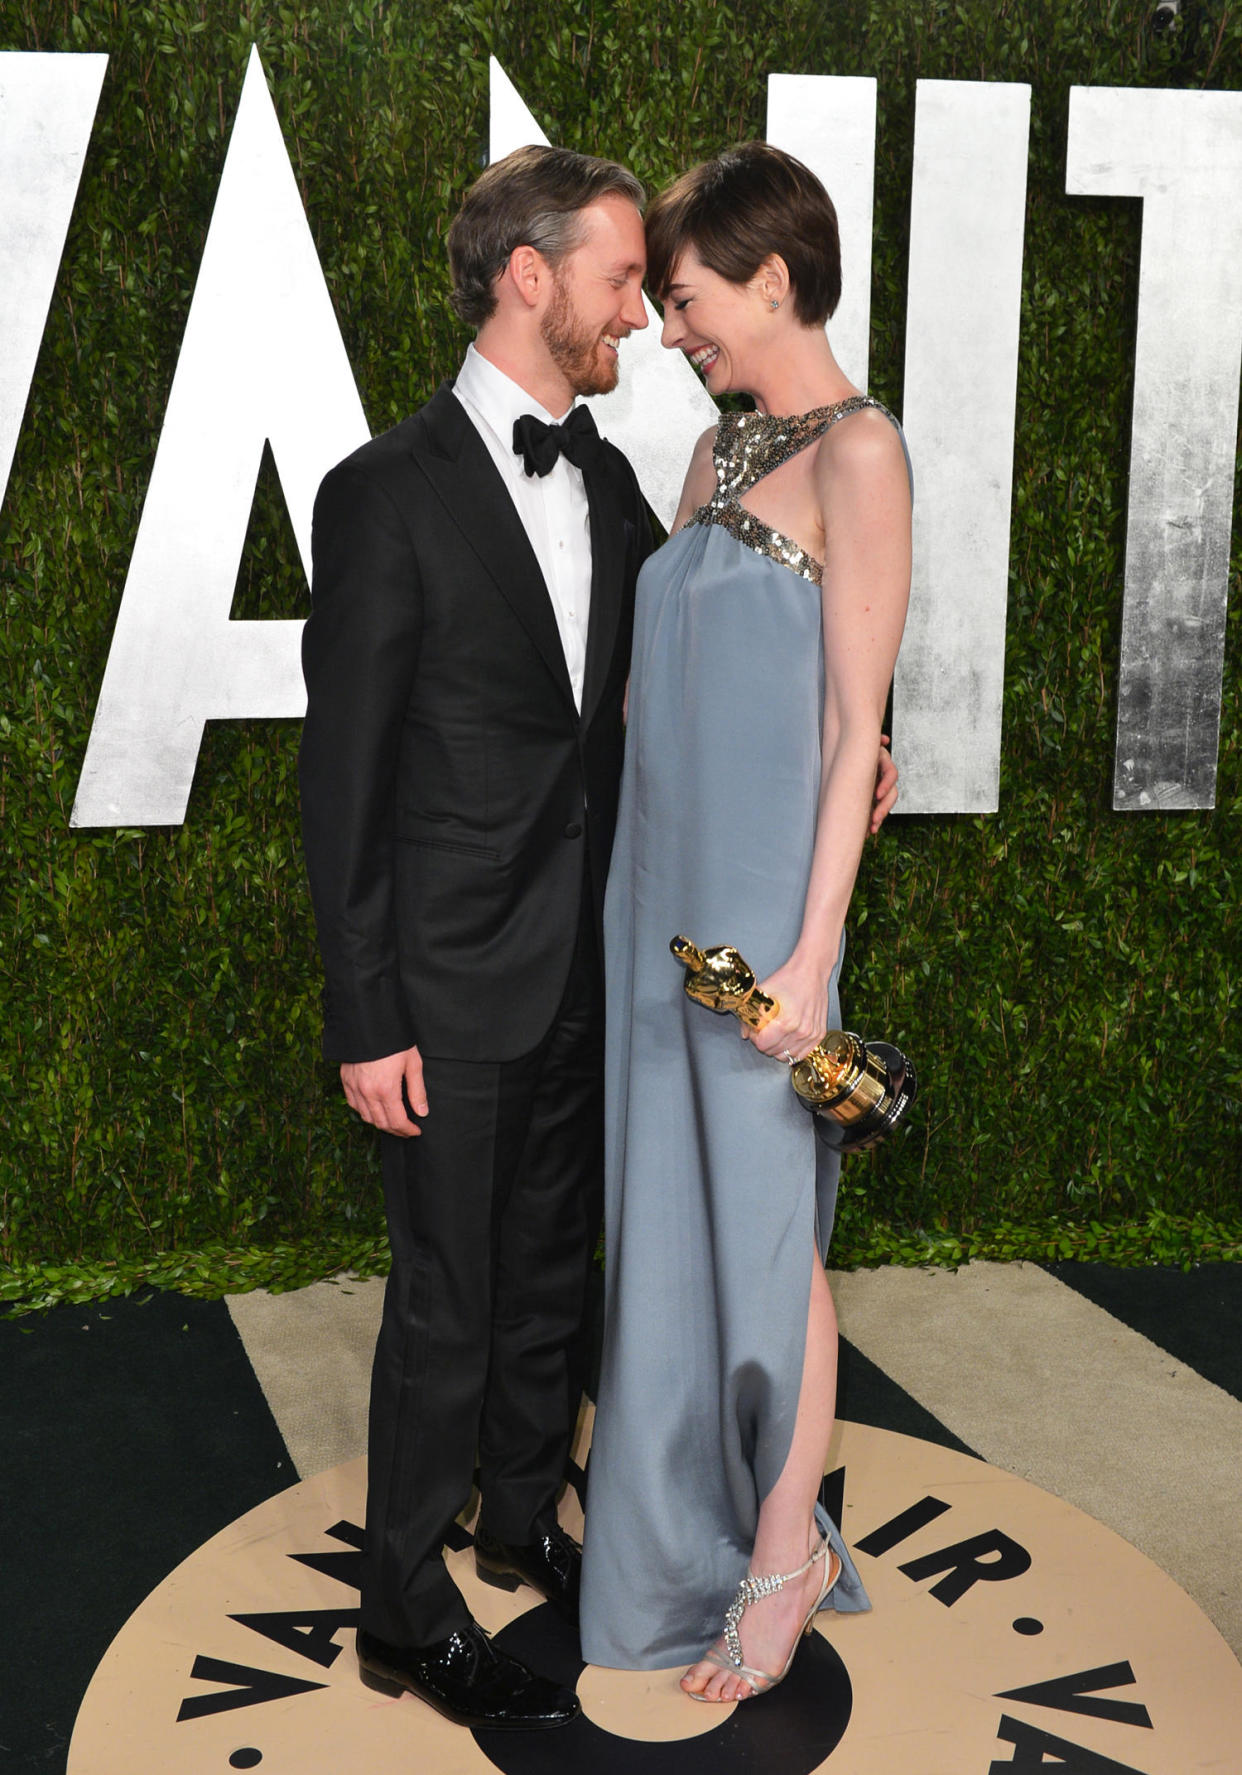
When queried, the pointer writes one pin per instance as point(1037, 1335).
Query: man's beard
point(575, 351)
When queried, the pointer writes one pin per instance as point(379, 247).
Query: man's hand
point(373, 1089)
point(885, 786)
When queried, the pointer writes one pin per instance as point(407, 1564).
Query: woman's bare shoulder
point(861, 447)
point(703, 453)
point(700, 481)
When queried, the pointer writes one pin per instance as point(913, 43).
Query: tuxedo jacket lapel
point(458, 466)
point(610, 551)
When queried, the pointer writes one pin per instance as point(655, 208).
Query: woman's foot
point(768, 1630)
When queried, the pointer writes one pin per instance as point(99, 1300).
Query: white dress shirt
point(552, 508)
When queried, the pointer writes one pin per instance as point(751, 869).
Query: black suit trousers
point(493, 1215)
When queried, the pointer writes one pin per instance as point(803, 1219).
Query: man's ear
point(527, 273)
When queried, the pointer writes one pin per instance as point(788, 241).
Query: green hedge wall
point(1064, 975)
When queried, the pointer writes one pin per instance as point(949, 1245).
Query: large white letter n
point(262, 359)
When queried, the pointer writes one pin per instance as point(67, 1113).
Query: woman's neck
point(799, 374)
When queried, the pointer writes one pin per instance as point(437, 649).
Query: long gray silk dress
point(718, 1186)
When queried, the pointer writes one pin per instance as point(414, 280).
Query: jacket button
point(573, 830)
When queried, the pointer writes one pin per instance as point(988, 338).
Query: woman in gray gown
point(766, 634)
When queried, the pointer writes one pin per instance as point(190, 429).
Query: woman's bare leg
point(786, 1532)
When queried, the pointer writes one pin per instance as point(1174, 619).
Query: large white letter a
point(262, 359)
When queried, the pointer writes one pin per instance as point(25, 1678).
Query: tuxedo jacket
point(454, 801)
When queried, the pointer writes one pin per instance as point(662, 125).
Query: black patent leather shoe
point(550, 1564)
point(466, 1679)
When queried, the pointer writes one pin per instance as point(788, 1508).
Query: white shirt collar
point(497, 397)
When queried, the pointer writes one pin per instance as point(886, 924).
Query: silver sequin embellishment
point(749, 446)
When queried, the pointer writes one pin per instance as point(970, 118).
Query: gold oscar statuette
point(864, 1087)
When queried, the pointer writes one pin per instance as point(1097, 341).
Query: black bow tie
point(539, 445)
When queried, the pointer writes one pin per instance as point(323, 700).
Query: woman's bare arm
point(863, 488)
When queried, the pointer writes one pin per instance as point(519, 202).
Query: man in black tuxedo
point(465, 662)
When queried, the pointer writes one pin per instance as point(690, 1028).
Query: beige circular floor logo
point(1008, 1632)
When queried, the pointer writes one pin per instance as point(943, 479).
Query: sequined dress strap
point(749, 446)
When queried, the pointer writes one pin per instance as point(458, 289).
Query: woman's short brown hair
point(734, 211)
point(533, 197)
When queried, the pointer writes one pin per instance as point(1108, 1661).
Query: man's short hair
point(533, 197)
point(735, 210)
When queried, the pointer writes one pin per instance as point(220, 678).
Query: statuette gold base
point(863, 1089)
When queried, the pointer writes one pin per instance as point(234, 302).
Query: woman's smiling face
point(718, 325)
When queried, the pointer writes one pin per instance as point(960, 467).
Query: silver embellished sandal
point(751, 1589)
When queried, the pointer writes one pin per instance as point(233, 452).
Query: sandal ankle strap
point(751, 1589)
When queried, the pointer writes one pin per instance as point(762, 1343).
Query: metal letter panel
point(47, 108)
point(262, 358)
point(1181, 152)
point(828, 122)
point(967, 216)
